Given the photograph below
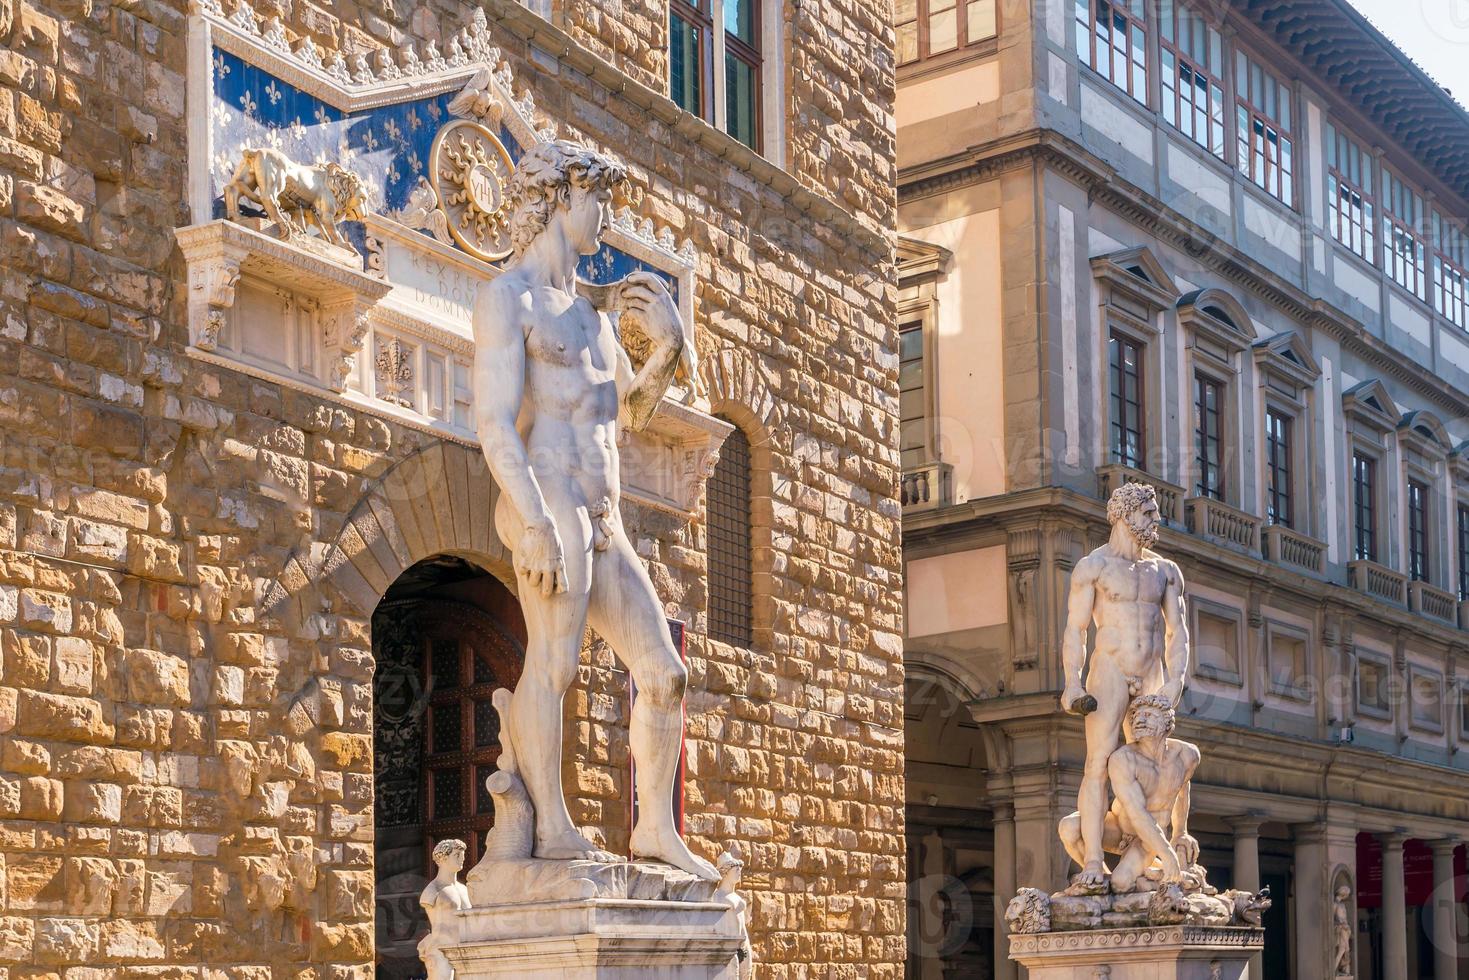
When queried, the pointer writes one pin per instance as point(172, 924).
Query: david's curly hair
point(1128, 498)
point(544, 177)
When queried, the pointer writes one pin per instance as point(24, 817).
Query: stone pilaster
point(1311, 912)
point(1005, 887)
point(1394, 907)
point(1445, 911)
point(1247, 867)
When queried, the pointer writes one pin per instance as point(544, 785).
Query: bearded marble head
point(1135, 505)
point(1149, 715)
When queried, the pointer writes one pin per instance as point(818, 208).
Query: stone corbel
point(218, 253)
point(346, 324)
point(212, 285)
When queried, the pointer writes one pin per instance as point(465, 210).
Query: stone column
point(1247, 867)
point(1445, 912)
point(1311, 911)
point(1394, 907)
point(1005, 887)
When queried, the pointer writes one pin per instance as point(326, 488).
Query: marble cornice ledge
point(1104, 184)
point(974, 523)
point(536, 30)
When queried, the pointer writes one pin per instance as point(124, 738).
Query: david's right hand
point(539, 560)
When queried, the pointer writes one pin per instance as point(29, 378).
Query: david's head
point(1135, 506)
point(1150, 715)
point(562, 177)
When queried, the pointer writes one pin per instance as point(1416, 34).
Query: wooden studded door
point(436, 738)
point(466, 658)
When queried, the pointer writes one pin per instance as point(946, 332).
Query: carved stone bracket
point(676, 454)
point(217, 253)
point(345, 324)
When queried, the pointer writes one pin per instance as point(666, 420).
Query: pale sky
point(1434, 33)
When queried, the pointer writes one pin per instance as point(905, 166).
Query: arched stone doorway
point(445, 635)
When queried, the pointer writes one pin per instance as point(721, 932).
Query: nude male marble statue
point(1135, 598)
point(1150, 777)
point(553, 385)
point(1341, 920)
point(443, 896)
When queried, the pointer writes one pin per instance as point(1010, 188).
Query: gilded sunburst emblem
point(470, 169)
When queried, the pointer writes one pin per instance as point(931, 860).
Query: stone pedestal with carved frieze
point(1180, 952)
point(599, 939)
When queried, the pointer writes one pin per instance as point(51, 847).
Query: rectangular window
point(1263, 149)
point(1278, 468)
point(742, 71)
point(1463, 552)
point(1349, 199)
point(1372, 686)
point(1450, 270)
point(1126, 365)
point(912, 396)
point(700, 34)
point(1418, 531)
point(690, 34)
point(1112, 37)
point(1364, 506)
point(1209, 437)
point(1193, 75)
point(927, 28)
point(1406, 223)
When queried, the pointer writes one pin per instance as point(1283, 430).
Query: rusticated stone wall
point(185, 658)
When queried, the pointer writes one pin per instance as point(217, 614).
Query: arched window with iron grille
point(730, 582)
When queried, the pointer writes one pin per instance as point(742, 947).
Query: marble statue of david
point(553, 384)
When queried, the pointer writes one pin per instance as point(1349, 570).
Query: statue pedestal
point(598, 939)
point(1179, 952)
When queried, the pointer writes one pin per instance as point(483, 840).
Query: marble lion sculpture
point(1029, 912)
point(296, 196)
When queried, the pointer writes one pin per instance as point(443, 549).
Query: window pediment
point(1134, 281)
point(1369, 403)
point(920, 261)
point(1287, 360)
point(1422, 432)
point(1219, 323)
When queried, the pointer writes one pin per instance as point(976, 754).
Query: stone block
point(17, 939)
point(228, 689)
point(27, 659)
point(73, 664)
point(60, 716)
point(41, 798)
point(33, 882)
point(93, 803)
point(44, 611)
point(154, 677)
point(68, 940)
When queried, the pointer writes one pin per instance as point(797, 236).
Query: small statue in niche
point(1341, 922)
point(296, 197)
point(444, 896)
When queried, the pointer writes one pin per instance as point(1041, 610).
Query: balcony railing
point(1378, 581)
point(1288, 547)
point(1424, 598)
point(1170, 497)
point(926, 487)
point(1216, 521)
